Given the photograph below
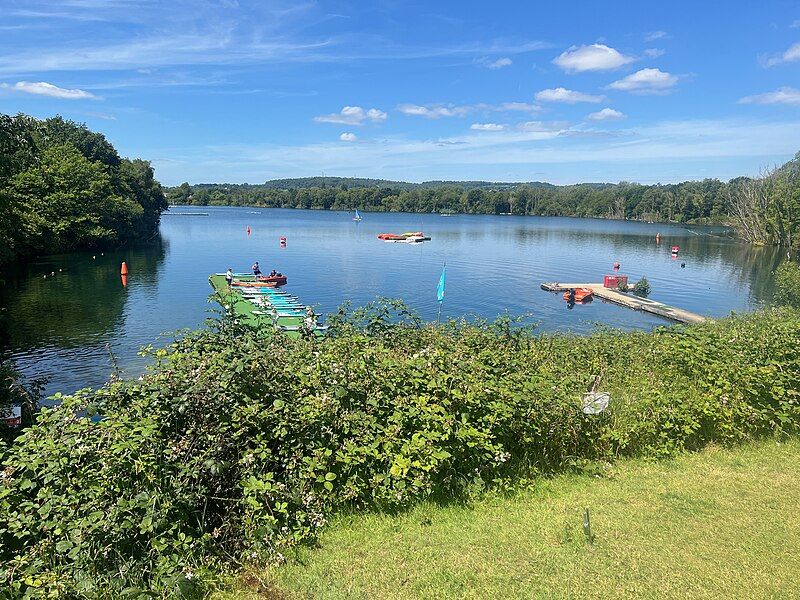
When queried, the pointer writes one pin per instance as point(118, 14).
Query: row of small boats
point(410, 237)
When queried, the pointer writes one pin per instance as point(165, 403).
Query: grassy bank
point(241, 445)
point(720, 523)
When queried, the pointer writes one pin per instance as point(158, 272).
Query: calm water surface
point(59, 326)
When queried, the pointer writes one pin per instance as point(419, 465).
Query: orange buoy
point(124, 280)
point(124, 269)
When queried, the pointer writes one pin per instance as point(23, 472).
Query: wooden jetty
point(630, 301)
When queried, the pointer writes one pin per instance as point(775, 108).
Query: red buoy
point(124, 269)
point(248, 230)
point(616, 266)
point(283, 240)
point(675, 249)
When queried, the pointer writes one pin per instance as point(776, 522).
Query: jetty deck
point(630, 301)
point(259, 312)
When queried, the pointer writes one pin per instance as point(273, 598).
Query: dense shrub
point(787, 284)
point(642, 288)
point(239, 444)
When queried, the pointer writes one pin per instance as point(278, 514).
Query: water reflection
point(60, 311)
point(59, 325)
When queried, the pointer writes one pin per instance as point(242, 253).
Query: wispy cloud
point(561, 94)
point(487, 127)
point(595, 57)
point(653, 52)
point(646, 81)
point(652, 36)
point(784, 95)
point(795, 24)
point(348, 137)
point(213, 47)
point(605, 114)
point(353, 115)
point(495, 64)
point(434, 111)
point(103, 116)
point(792, 54)
point(519, 106)
point(42, 88)
point(484, 153)
point(558, 127)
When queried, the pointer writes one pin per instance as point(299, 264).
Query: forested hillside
point(684, 202)
point(63, 188)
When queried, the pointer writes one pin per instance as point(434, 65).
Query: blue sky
point(236, 91)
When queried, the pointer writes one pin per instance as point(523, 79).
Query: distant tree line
point(64, 188)
point(766, 209)
point(684, 202)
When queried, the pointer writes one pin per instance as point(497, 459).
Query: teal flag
point(440, 287)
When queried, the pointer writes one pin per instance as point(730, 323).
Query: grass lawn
point(720, 523)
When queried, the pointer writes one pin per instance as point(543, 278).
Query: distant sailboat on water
point(357, 217)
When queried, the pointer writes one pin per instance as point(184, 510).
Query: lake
point(65, 326)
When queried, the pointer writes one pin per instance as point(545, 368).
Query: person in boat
point(256, 269)
point(229, 277)
point(273, 273)
point(571, 295)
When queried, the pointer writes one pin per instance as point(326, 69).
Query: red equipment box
point(613, 281)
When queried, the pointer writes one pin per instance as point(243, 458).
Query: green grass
point(720, 523)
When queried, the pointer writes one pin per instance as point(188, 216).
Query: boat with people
point(357, 217)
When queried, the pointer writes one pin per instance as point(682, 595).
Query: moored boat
point(581, 295)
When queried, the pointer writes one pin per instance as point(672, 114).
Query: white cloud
point(348, 137)
point(784, 95)
point(653, 52)
point(353, 115)
point(606, 114)
point(655, 35)
point(596, 57)
point(487, 127)
point(42, 88)
point(646, 81)
point(496, 64)
point(792, 54)
point(561, 94)
point(433, 112)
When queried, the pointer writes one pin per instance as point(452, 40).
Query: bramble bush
point(239, 444)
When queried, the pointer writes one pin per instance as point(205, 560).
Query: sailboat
point(357, 217)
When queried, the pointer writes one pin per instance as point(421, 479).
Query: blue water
point(65, 326)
